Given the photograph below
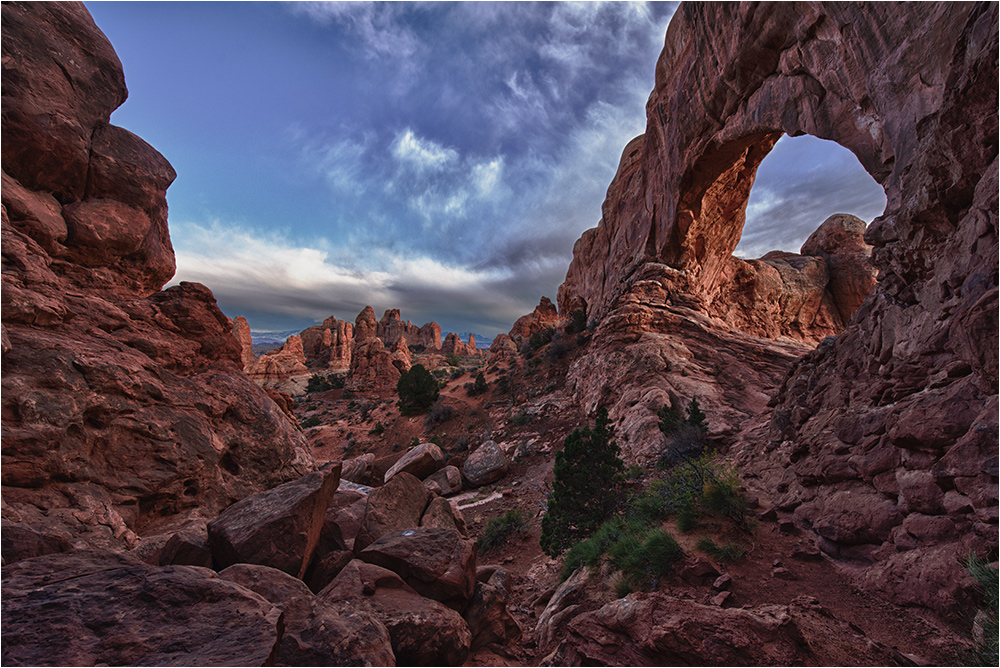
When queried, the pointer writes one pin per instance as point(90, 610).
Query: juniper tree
point(586, 489)
point(417, 389)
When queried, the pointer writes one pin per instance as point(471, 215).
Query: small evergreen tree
point(585, 491)
point(695, 416)
point(417, 389)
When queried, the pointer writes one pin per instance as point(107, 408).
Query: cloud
point(266, 273)
point(421, 153)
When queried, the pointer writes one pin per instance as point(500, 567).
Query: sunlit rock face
point(123, 405)
point(895, 418)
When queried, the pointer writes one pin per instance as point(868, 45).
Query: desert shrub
point(985, 651)
point(522, 418)
point(499, 530)
point(378, 429)
point(321, 383)
point(686, 442)
point(725, 552)
point(541, 338)
point(558, 348)
point(417, 389)
point(578, 321)
point(311, 421)
point(439, 413)
point(585, 490)
point(478, 387)
point(642, 554)
point(452, 359)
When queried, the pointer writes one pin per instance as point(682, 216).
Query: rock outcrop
point(283, 369)
point(544, 316)
point(328, 345)
point(123, 405)
point(897, 412)
point(375, 366)
point(241, 330)
point(429, 337)
point(453, 344)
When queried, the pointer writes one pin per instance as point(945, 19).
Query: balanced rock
point(485, 465)
point(93, 607)
point(279, 528)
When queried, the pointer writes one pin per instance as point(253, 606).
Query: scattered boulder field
point(172, 498)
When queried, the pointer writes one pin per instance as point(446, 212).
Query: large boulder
point(445, 482)
point(485, 465)
point(315, 634)
point(442, 514)
point(279, 528)
point(424, 632)
point(438, 563)
point(92, 607)
point(397, 505)
point(419, 461)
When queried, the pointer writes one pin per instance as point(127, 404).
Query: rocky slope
point(123, 406)
point(884, 439)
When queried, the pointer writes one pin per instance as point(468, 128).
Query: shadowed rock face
point(896, 413)
point(123, 405)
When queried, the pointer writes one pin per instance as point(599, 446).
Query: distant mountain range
point(271, 338)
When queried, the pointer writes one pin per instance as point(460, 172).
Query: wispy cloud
point(421, 153)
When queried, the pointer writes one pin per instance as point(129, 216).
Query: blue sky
point(440, 158)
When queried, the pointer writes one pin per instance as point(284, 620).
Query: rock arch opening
point(800, 183)
point(766, 228)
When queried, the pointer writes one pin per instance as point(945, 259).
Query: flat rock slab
point(279, 528)
point(93, 607)
point(420, 461)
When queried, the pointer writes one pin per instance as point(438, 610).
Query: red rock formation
point(502, 349)
point(453, 344)
point(241, 330)
point(121, 404)
point(375, 367)
point(283, 369)
point(888, 418)
point(544, 316)
point(429, 336)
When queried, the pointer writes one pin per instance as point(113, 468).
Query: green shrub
point(417, 389)
point(322, 383)
point(478, 387)
point(686, 437)
point(452, 359)
point(378, 429)
point(438, 414)
point(726, 552)
point(499, 530)
point(539, 339)
point(579, 321)
point(584, 553)
point(643, 555)
point(985, 652)
point(585, 490)
point(311, 421)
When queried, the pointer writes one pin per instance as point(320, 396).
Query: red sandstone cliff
point(123, 405)
point(883, 440)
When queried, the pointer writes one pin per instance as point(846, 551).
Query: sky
point(439, 158)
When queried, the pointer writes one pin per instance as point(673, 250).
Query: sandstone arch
point(900, 410)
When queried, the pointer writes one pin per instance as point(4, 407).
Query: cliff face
point(883, 440)
point(123, 405)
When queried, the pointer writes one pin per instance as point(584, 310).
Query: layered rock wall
point(123, 405)
point(884, 439)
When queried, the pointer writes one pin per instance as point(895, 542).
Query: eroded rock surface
point(123, 405)
point(909, 387)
